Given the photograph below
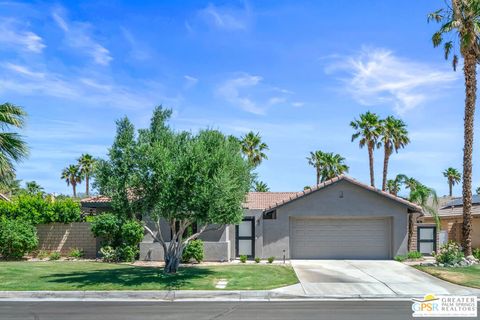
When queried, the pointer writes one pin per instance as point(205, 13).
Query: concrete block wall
point(62, 238)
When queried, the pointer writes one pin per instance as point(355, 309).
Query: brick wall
point(64, 237)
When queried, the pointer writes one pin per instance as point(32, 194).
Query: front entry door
point(245, 238)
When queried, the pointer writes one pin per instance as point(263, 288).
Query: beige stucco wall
point(453, 225)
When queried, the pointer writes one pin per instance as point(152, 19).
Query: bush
point(107, 227)
point(414, 255)
point(193, 250)
point(126, 253)
point(36, 210)
point(257, 260)
point(42, 254)
point(108, 254)
point(476, 253)
point(17, 238)
point(131, 233)
point(271, 259)
point(243, 258)
point(76, 253)
point(55, 255)
point(400, 258)
point(450, 253)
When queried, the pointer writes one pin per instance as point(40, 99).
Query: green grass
point(78, 275)
point(465, 276)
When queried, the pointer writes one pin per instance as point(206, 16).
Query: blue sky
point(296, 71)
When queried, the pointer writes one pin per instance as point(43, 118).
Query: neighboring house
point(451, 220)
point(338, 219)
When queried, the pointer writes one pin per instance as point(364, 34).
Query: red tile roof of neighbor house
point(272, 200)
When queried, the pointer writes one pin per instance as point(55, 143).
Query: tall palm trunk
point(318, 176)
point(87, 183)
point(450, 186)
point(470, 73)
point(74, 187)
point(385, 167)
point(370, 159)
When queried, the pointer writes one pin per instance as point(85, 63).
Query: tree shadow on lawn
point(133, 278)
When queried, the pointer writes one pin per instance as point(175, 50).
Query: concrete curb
point(184, 295)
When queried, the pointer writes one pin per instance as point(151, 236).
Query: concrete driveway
point(370, 278)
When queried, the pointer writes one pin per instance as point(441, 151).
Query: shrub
point(55, 255)
point(17, 238)
point(243, 258)
point(450, 253)
point(193, 250)
point(76, 253)
point(414, 255)
point(271, 259)
point(106, 226)
point(400, 258)
point(126, 253)
point(108, 254)
point(476, 253)
point(131, 233)
point(36, 210)
point(42, 254)
point(257, 260)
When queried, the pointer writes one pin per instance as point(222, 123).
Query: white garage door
point(340, 238)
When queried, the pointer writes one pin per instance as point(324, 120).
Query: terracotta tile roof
point(96, 199)
point(409, 204)
point(262, 200)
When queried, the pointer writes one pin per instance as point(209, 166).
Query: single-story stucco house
point(450, 212)
point(338, 219)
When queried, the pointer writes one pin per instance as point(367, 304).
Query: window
point(426, 239)
point(270, 215)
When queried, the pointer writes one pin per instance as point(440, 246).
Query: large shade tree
point(459, 33)
point(13, 147)
point(175, 177)
point(453, 177)
point(86, 162)
point(394, 136)
point(368, 130)
point(254, 148)
point(72, 177)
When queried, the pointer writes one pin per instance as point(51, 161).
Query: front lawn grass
point(465, 276)
point(78, 275)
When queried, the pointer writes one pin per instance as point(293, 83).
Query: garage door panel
point(340, 238)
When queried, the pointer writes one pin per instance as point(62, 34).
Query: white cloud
point(225, 18)
point(93, 91)
point(12, 34)
point(231, 89)
point(377, 76)
point(77, 36)
point(298, 104)
point(190, 81)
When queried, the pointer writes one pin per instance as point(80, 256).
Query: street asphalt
point(291, 310)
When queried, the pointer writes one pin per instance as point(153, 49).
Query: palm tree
point(368, 129)
point(461, 22)
point(453, 176)
point(261, 186)
point(478, 190)
point(421, 195)
point(394, 185)
point(253, 148)
point(86, 163)
point(33, 188)
point(327, 165)
point(72, 176)
point(12, 146)
point(394, 136)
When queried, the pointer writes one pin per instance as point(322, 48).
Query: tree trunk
point(370, 159)
point(74, 187)
point(318, 176)
point(470, 73)
point(450, 187)
point(87, 183)
point(173, 257)
point(410, 231)
point(385, 167)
